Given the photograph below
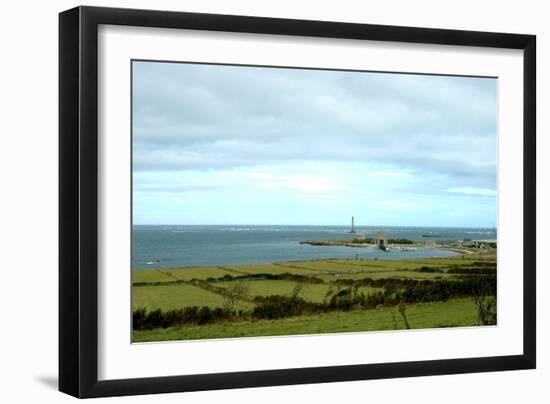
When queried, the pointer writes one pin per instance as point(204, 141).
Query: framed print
point(249, 201)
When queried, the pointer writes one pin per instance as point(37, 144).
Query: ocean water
point(161, 246)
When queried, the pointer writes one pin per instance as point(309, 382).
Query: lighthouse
point(352, 225)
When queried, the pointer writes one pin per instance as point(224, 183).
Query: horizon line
point(316, 225)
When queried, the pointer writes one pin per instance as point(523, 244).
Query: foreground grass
point(330, 269)
point(310, 292)
point(167, 297)
point(452, 313)
point(183, 274)
point(155, 289)
point(178, 288)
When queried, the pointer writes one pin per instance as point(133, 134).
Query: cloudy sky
point(251, 145)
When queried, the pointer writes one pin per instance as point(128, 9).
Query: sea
point(168, 246)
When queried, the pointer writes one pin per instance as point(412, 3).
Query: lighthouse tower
point(352, 225)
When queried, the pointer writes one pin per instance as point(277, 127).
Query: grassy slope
point(177, 296)
point(184, 274)
point(270, 268)
point(456, 312)
point(386, 275)
point(181, 295)
point(311, 292)
point(167, 297)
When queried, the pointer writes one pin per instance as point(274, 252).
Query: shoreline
point(458, 252)
point(337, 243)
point(350, 243)
point(413, 246)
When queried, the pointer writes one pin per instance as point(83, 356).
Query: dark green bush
point(478, 270)
point(278, 306)
point(284, 276)
point(343, 295)
point(428, 269)
point(144, 320)
point(400, 241)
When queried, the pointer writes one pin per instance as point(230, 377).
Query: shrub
point(284, 276)
point(341, 295)
point(428, 269)
point(477, 270)
point(138, 318)
point(277, 306)
point(232, 294)
point(143, 320)
point(347, 299)
point(487, 309)
point(400, 241)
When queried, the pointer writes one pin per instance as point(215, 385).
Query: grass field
point(184, 274)
point(316, 282)
point(386, 274)
point(311, 292)
point(453, 313)
point(168, 297)
point(276, 268)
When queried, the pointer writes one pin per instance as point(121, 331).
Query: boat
point(434, 235)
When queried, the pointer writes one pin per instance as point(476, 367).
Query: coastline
point(340, 243)
point(355, 244)
point(457, 253)
point(402, 246)
point(186, 246)
point(457, 250)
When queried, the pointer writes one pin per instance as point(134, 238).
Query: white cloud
point(302, 183)
point(221, 117)
point(305, 142)
point(398, 174)
point(396, 204)
point(473, 191)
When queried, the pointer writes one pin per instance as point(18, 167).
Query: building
point(380, 239)
point(484, 243)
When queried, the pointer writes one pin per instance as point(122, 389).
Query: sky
point(220, 144)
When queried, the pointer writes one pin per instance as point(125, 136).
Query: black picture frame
point(78, 201)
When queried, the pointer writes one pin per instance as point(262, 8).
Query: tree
point(403, 312)
point(296, 290)
point(485, 302)
point(486, 308)
point(234, 293)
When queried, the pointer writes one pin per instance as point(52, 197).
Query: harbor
point(380, 241)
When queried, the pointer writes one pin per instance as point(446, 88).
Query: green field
point(386, 274)
point(276, 268)
point(184, 274)
point(312, 292)
point(303, 297)
point(167, 297)
point(454, 313)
